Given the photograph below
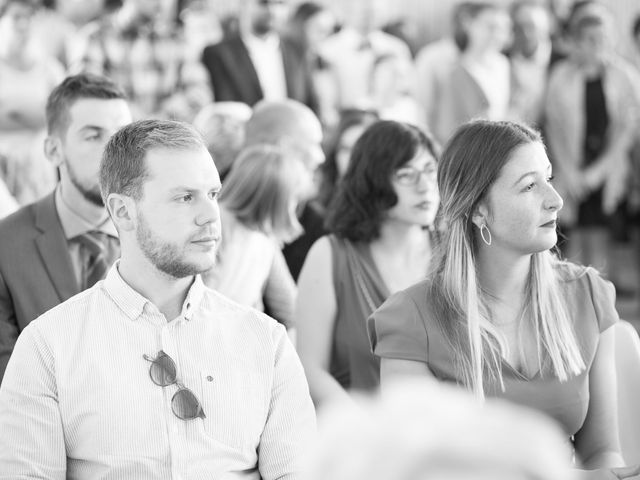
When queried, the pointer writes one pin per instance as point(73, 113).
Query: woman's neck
point(402, 237)
point(503, 277)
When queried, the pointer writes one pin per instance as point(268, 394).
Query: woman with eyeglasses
point(499, 313)
point(380, 243)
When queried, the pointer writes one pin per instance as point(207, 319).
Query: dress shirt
point(77, 400)
point(73, 224)
point(266, 57)
point(493, 78)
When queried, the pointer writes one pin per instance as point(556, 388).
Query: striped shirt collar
point(133, 303)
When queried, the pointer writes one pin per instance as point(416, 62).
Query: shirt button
point(209, 378)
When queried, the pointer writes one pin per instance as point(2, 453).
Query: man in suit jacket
point(259, 64)
point(44, 257)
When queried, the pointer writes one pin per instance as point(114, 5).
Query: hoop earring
point(484, 228)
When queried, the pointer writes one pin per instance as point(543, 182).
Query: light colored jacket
point(565, 122)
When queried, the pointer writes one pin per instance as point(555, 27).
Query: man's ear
point(53, 150)
point(122, 210)
point(480, 215)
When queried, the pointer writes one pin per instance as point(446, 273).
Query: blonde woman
point(499, 314)
point(257, 208)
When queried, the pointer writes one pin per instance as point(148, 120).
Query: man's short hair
point(123, 169)
point(73, 88)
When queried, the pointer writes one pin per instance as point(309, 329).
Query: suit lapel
point(240, 62)
point(52, 246)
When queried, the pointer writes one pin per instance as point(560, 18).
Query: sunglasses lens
point(163, 370)
point(186, 406)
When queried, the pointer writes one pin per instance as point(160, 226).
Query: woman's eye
point(186, 198)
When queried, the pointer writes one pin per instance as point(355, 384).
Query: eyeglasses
point(185, 404)
point(411, 176)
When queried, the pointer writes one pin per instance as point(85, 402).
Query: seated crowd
point(209, 235)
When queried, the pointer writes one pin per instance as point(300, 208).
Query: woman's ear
point(480, 215)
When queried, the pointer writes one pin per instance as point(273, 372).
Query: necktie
point(99, 251)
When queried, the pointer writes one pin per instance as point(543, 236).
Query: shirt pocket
point(235, 407)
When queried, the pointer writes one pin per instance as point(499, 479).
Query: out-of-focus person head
point(161, 186)
point(532, 26)
point(261, 17)
point(15, 22)
point(310, 24)
point(487, 27)
point(291, 124)
point(82, 113)
point(261, 191)
point(352, 124)
point(421, 430)
point(222, 126)
point(590, 29)
point(148, 10)
point(200, 26)
point(391, 177)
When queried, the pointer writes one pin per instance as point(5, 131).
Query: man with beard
point(60, 245)
point(259, 63)
point(150, 374)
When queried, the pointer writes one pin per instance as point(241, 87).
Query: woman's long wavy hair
point(470, 163)
point(366, 192)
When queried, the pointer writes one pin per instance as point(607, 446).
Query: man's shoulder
point(21, 224)
point(231, 43)
point(238, 315)
point(62, 321)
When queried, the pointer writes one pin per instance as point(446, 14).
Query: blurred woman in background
point(310, 24)
point(257, 209)
point(592, 112)
point(380, 243)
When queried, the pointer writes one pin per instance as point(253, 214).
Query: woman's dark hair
point(348, 118)
point(366, 193)
point(298, 22)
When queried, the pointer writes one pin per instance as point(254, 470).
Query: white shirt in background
point(266, 57)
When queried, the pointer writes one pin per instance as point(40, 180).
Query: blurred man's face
point(592, 44)
point(531, 27)
point(307, 143)
point(92, 122)
point(267, 15)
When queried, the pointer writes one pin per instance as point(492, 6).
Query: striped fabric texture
point(77, 401)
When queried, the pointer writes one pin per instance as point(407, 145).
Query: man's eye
point(213, 195)
point(186, 198)
point(529, 187)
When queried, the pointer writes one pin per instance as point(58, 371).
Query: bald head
point(290, 124)
point(275, 121)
